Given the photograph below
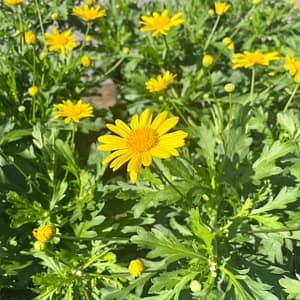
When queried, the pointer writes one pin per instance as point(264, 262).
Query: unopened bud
point(229, 88)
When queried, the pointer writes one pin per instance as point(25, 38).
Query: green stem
point(19, 169)
point(76, 238)
point(212, 33)
point(178, 111)
point(271, 230)
point(114, 66)
point(33, 83)
point(211, 85)
point(74, 129)
point(21, 29)
point(165, 53)
point(252, 84)
point(167, 179)
point(86, 33)
point(243, 20)
point(39, 16)
point(291, 98)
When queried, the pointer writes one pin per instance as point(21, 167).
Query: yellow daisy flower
point(141, 141)
point(293, 66)
point(71, 111)
point(60, 41)
point(12, 2)
point(249, 59)
point(88, 13)
point(43, 233)
point(160, 83)
point(160, 23)
point(221, 8)
point(136, 267)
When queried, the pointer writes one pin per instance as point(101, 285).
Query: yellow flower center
point(61, 40)
point(142, 139)
point(256, 57)
point(160, 22)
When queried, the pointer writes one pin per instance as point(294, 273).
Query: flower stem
point(21, 30)
point(212, 33)
point(74, 129)
point(39, 16)
point(19, 169)
point(33, 83)
point(291, 97)
point(271, 230)
point(165, 52)
point(114, 66)
point(86, 33)
point(243, 20)
point(167, 179)
point(252, 84)
point(178, 111)
point(78, 238)
point(211, 85)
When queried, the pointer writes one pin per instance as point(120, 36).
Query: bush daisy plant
point(149, 150)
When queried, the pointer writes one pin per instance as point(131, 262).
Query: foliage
point(223, 211)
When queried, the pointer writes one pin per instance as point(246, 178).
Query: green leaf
point(82, 229)
point(200, 230)
point(265, 166)
point(285, 196)
point(169, 285)
point(207, 144)
point(163, 243)
point(291, 287)
point(23, 210)
point(15, 135)
point(65, 151)
point(238, 144)
point(123, 294)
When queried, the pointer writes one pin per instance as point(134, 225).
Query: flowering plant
point(149, 150)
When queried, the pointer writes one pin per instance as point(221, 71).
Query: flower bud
point(211, 12)
point(33, 90)
point(30, 37)
point(207, 60)
point(85, 60)
point(228, 43)
point(195, 286)
point(88, 38)
point(54, 16)
point(39, 246)
point(136, 267)
point(21, 108)
point(229, 87)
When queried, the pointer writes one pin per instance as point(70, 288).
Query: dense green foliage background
point(237, 176)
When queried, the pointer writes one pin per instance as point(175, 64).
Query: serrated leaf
point(284, 197)
point(23, 211)
point(200, 230)
point(207, 144)
point(65, 151)
point(291, 287)
point(265, 166)
point(81, 229)
point(239, 144)
point(163, 243)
